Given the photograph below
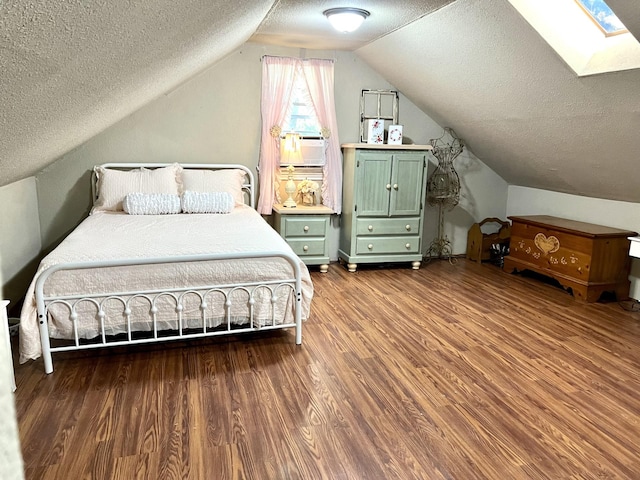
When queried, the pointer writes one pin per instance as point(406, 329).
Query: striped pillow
point(113, 185)
point(207, 202)
point(215, 181)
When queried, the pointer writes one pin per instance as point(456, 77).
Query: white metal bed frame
point(175, 295)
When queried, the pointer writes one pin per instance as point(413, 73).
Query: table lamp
point(291, 155)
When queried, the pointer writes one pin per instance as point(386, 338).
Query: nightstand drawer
point(307, 246)
point(388, 226)
point(305, 230)
point(305, 227)
point(380, 245)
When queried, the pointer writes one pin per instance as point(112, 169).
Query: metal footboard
point(175, 297)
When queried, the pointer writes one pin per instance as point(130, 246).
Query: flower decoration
point(275, 131)
point(308, 186)
point(307, 190)
point(325, 132)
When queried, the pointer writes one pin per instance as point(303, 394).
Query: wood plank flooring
point(450, 372)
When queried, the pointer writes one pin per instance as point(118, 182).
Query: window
point(603, 16)
point(577, 31)
point(312, 81)
point(301, 117)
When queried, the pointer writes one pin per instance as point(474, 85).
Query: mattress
point(116, 235)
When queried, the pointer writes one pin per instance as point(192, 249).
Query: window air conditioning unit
point(312, 152)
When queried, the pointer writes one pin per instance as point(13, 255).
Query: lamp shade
point(292, 142)
point(291, 153)
point(346, 19)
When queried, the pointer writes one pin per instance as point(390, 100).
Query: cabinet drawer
point(307, 246)
point(379, 245)
point(388, 226)
point(305, 226)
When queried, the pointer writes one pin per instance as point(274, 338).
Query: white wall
point(20, 239)
point(10, 457)
point(215, 117)
point(624, 215)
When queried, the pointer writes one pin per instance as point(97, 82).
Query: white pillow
point(113, 185)
point(151, 203)
point(207, 202)
point(230, 180)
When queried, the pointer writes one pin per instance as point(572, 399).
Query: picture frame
point(395, 135)
point(375, 131)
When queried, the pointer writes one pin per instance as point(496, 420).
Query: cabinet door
point(373, 174)
point(406, 184)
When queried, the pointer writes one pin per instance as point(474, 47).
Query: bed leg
point(299, 318)
point(46, 356)
point(298, 305)
point(298, 334)
point(46, 353)
point(48, 363)
point(44, 342)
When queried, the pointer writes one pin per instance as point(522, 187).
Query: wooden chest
point(586, 258)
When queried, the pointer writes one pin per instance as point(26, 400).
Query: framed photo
point(375, 131)
point(395, 135)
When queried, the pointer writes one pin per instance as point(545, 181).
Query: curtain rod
point(301, 59)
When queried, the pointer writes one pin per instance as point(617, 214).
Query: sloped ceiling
point(301, 24)
point(479, 67)
point(69, 69)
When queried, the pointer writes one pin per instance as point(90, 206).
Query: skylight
point(573, 29)
point(604, 17)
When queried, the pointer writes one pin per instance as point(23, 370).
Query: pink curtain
point(277, 84)
point(318, 74)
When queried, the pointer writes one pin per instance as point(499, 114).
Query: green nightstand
point(305, 230)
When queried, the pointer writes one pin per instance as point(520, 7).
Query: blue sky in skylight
point(602, 14)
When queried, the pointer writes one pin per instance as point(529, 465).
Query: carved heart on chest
point(546, 244)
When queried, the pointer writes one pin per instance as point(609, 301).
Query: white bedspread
point(115, 235)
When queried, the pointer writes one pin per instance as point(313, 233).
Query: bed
point(139, 269)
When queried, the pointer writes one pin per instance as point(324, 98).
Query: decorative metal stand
point(443, 189)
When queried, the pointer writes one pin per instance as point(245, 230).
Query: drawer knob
point(305, 248)
point(370, 228)
point(370, 246)
point(306, 228)
point(408, 227)
point(408, 245)
point(395, 186)
point(388, 186)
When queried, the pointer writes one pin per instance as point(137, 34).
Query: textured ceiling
point(484, 71)
point(71, 68)
point(295, 23)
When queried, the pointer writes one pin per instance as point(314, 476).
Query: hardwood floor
point(450, 372)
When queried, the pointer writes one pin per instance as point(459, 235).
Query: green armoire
point(383, 201)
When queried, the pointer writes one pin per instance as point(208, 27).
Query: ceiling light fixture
point(346, 19)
